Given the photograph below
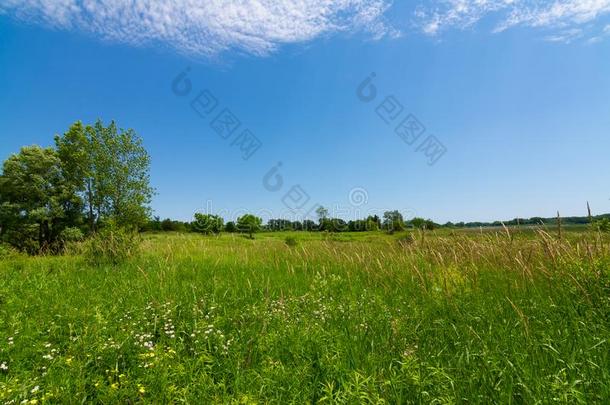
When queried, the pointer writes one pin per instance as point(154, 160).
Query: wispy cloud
point(207, 27)
point(568, 17)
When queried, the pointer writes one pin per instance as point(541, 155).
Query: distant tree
point(155, 224)
point(230, 227)
point(297, 226)
point(418, 223)
point(373, 223)
point(167, 225)
point(359, 225)
point(37, 202)
point(249, 224)
point(309, 225)
point(207, 224)
point(602, 225)
point(279, 225)
point(322, 214)
point(393, 221)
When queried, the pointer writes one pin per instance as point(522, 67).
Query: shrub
point(291, 241)
point(7, 252)
point(111, 245)
point(603, 225)
point(70, 235)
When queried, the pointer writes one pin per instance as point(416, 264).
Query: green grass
point(449, 317)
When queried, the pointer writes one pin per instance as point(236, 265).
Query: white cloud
point(207, 27)
point(568, 16)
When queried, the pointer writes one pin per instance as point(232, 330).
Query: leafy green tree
point(309, 225)
point(393, 221)
point(110, 170)
point(418, 223)
point(372, 224)
point(230, 227)
point(322, 215)
point(249, 224)
point(207, 224)
point(37, 201)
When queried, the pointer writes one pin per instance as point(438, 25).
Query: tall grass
point(454, 317)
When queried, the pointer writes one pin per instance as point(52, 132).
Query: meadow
point(502, 316)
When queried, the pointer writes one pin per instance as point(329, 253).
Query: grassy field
point(446, 317)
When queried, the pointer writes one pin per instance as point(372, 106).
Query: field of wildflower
point(443, 317)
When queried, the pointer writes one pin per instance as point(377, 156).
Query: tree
point(109, 168)
point(207, 224)
point(155, 224)
point(309, 225)
point(249, 224)
point(75, 154)
point(37, 201)
point(418, 223)
point(230, 227)
point(372, 223)
point(393, 221)
point(322, 214)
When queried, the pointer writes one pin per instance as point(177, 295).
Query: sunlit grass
point(446, 317)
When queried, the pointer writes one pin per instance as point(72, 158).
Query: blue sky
point(517, 93)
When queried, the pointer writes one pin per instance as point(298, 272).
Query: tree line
point(392, 221)
point(92, 177)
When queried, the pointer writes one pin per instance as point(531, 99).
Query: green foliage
point(602, 225)
point(207, 224)
point(111, 245)
point(71, 235)
point(109, 168)
point(423, 224)
point(96, 172)
point(291, 241)
point(393, 221)
point(37, 202)
point(249, 224)
point(7, 252)
point(230, 227)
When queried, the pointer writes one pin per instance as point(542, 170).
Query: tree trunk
point(91, 215)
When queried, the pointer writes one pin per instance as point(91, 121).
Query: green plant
point(7, 252)
point(602, 225)
point(207, 224)
point(69, 235)
point(291, 241)
point(249, 224)
point(111, 245)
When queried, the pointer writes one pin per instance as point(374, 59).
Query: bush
point(291, 241)
point(603, 225)
point(111, 245)
point(7, 252)
point(70, 235)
